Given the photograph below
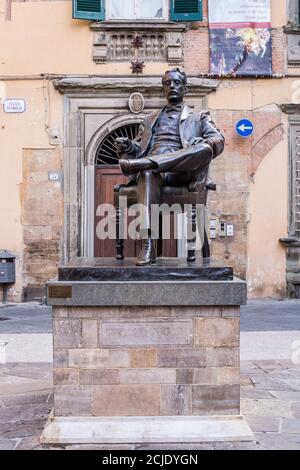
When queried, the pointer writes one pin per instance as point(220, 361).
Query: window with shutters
point(292, 30)
point(294, 229)
point(88, 9)
point(186, 10)
point(175, 10)
point(137, 9)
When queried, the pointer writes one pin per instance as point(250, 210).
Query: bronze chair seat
point(182, 195)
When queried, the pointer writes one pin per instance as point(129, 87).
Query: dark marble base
point(165, 269)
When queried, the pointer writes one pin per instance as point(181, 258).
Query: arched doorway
point(107, 175)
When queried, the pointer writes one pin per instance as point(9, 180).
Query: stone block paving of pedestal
point(270, 402)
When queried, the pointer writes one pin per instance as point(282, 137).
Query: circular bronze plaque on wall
point(136, 103)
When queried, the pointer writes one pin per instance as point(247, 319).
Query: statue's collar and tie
point(173, 108)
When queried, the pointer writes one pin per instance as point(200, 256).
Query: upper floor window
point(293, 13)
point(136, 9)
point(175, 10)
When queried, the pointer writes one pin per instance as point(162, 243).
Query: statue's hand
point(117, 187)
point(130, 182)
point(123, 145)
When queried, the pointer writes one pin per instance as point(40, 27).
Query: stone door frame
point(103, 96)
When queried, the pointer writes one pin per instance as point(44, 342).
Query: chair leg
point(206, 247)
point(159, 240)
point(119, 241)
point(192, 227)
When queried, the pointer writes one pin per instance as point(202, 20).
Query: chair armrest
point(211, 186)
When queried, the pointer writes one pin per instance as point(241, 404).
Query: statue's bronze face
point(174, 87)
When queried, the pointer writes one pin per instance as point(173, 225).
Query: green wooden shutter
point(88, 9)
point(186, 10)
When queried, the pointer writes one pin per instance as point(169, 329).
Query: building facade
point(71, 80)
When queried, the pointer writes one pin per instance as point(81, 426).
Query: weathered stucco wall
point(42, 38)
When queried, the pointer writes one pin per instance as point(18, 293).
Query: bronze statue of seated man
point(174, 147)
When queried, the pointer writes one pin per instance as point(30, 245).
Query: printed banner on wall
point(240, 37)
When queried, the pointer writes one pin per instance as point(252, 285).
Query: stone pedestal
point(146, 361)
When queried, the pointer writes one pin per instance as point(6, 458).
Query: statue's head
point(174, 85)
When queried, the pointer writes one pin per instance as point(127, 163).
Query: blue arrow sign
point(244, 128)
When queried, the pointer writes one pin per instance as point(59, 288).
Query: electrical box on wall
point(230, 230)
point(213, 229)
point(223, 231)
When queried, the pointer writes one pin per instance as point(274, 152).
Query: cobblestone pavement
point(270, 388)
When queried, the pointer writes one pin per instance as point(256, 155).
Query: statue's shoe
point(129, 167)
point(147, 254)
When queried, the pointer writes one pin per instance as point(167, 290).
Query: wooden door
point(106, 177)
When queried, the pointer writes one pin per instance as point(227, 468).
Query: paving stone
point(25, 386)
point(25, 399)
point(272, 441)
point(265, 407)
point(8, 444)
point(34, 370)
point(274, 365)
point(248, 368)
point(176, 400)
point(13, 381)
point(293, 373)
point(293, 384)
point(29, 443)
point(245, 380)
point(250, 391)
point(4, 369)
point(286, 395)
point(296, 410)
point(263, 423)
point(290, 426)
point(23, 413)
point(20, 429)
point(266, 382)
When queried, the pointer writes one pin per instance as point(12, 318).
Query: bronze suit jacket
point(194, 128)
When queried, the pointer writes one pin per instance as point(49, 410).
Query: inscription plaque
point(60, 292)
point(146, 334)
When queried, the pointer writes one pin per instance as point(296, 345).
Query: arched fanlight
point(106, 153)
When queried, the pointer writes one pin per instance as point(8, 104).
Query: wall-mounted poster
point(240, 38)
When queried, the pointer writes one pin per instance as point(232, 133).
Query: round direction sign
point(244, 128)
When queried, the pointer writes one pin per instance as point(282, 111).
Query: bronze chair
point(190, 195)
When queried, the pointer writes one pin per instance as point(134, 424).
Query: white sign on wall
point(14, 106)
point(239, 11)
